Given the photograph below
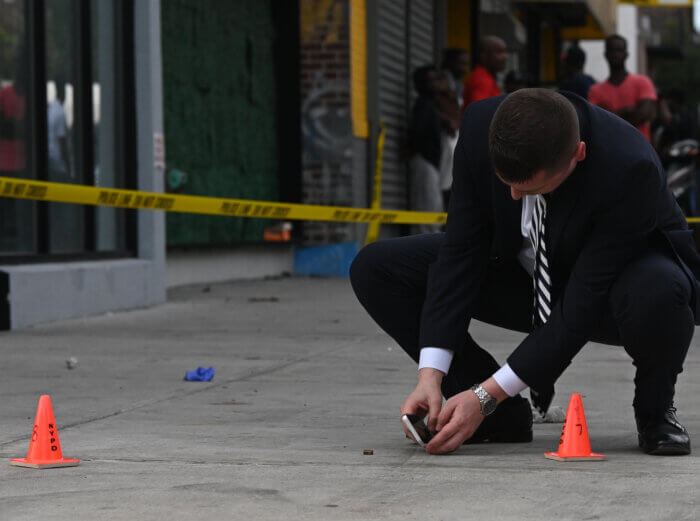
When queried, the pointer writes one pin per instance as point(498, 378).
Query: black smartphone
point(418, 429)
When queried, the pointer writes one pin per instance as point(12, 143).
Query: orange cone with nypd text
point(44, 447)
point(574, 444)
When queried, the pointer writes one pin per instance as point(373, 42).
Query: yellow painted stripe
point(658, 3)
point(459, 25)
point(79, 194)
point(358, 68)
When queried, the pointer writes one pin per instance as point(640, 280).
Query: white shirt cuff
point(508, 380)
point(435, 357)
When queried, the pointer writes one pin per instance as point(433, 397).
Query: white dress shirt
point(440, 358)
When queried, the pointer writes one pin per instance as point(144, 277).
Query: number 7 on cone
point(574, 444)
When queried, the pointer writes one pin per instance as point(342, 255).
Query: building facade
point(80, 102)
point(253, 99)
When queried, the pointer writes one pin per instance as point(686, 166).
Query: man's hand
point(457, 422)
point(426, 398)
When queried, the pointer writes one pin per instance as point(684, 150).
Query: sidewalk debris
point(72, 362)
point(200, 375)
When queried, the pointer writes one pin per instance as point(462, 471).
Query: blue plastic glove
point(200, 375)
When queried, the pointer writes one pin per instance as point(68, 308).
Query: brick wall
point(327, 160)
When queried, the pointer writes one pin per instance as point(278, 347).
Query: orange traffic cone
point(44, 447)
point(574, 444)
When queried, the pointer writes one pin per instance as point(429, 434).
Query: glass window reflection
point(66, 220)
point(111, 222)
point(17, 217)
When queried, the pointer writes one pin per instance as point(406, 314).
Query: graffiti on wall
point(325, 123)
point(321, 21)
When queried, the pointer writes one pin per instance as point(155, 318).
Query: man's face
point(460, 65)
point(442, 85)
point(616, 53)
point(432, 81)
point(546, 181)
point(496, 55)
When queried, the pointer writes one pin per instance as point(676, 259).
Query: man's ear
point(580, 152)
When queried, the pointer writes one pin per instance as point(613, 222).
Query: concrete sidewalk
point(303, 384)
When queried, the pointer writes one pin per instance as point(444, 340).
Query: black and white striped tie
point(542, 282)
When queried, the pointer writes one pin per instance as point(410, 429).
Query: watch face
point(488, 403)
point(489, 406)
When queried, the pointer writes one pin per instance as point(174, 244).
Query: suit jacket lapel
point(560, 207)
point(507, 214)
point(562, 201)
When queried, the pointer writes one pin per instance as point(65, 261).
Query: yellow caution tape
point(134, 199)
point(373, 228)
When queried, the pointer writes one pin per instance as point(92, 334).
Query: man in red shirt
point(630, 96)
point(481, 83)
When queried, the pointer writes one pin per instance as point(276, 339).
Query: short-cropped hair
point(615, 38)
point(532, 130)
point(576, 57)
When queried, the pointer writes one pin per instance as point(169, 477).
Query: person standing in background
point(455, 63)
point(481, 83)
point(576, 81)
point(630, 96)
point(450, 116)
point(515, 80)
point(424, 135)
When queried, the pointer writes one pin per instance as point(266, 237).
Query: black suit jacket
point(614, 207)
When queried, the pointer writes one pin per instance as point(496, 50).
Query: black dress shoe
point(663, 436)
point(511, 422)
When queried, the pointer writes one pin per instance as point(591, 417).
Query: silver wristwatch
point(488, 402)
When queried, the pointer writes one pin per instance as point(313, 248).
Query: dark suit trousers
point(649, 312)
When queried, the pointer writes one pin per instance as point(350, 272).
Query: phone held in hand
point(416, 426)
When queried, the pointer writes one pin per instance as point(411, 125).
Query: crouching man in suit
point(560, 225)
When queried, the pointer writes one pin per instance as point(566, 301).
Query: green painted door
point(219, 109)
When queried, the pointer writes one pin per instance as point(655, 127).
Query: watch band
point(487, 402)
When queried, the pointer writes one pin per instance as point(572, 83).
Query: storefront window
point(17, 217)
point(110, 221)
point(66, 92)
point(66, 220)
